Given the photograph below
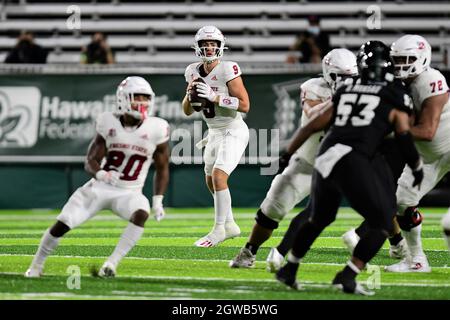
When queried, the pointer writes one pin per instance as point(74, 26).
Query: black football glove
point(283, 162)
point(418, 175)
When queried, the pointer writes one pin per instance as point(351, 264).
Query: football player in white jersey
point(294, 183)
point(118, 159)
point(228, 134)
point(430, 94)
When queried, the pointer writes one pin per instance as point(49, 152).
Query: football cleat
point(108, 270)
point(33, 273)
point(350, 239)
point(286, 277)
point(212, 239)
point(245, 259)
point(350, 286)
point(274, 261)
point(399, 251)
point(232, 230)
point(408, 264)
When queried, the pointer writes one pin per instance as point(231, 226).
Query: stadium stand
point(161, 32)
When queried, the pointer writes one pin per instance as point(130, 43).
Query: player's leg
point(396, 162)
point(374, 200)
point(410, 219)
point(133, 207)
point(325, 200)
point(228, 152)
point(276, 257)
point(80, 207)
point(446, 227)
point(287, 189)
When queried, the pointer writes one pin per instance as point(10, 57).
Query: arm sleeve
point(408, 149)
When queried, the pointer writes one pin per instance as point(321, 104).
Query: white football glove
point(111, 177)
point(205, 91)
point(157, 207)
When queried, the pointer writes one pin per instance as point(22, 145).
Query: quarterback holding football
point(216, 89)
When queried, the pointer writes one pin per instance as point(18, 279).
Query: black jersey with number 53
point(361, 115)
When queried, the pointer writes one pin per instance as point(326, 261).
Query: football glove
point(157, 207)
point(205, 91)
point(110, 177)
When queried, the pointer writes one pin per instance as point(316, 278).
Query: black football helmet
point(375, 64)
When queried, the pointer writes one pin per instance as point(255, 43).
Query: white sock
point(130, 236)
point(414, 241)
point(222, 206)
point(293, 259)
point(47, 245)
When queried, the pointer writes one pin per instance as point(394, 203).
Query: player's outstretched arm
point(161, 162)
point(428, 120)
point(318, 121)
point(95, 155)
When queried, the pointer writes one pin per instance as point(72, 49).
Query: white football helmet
point(209, 33)
point(125, 101)
point(338, 65)
point(411, 54)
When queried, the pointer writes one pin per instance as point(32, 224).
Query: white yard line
point(175, 259)
point(306, 283)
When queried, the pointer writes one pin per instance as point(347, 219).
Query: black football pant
point(396, 162)
point(368, 189)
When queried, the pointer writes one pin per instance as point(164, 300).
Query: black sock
point(292, 267)
point(396, 239)
point(362, 229)
point(252, 247)
point(288, 238)
point(349, 273)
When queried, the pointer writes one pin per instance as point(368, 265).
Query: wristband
point(228, 102)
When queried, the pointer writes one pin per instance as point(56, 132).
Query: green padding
point(33, 187)
point(50, 186)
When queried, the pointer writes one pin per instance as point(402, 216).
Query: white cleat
point(274, 261)
point(416, 264)
point(350, 239)
point(33, 273)
point(245, 259)
point(399, 251)
point(232, 230)
point(212, 239)
point(108, 270)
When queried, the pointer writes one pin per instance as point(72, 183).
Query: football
point(197, 103)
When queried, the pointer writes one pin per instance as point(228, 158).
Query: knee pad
point(411, 218)
point(265, 221)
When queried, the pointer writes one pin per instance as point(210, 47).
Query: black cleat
point(348, 285)
point(287, 277)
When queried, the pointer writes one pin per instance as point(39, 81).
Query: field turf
point(166, 265)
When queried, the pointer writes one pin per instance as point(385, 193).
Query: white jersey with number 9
point(217, 117)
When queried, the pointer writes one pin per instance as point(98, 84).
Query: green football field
point(166, 265)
